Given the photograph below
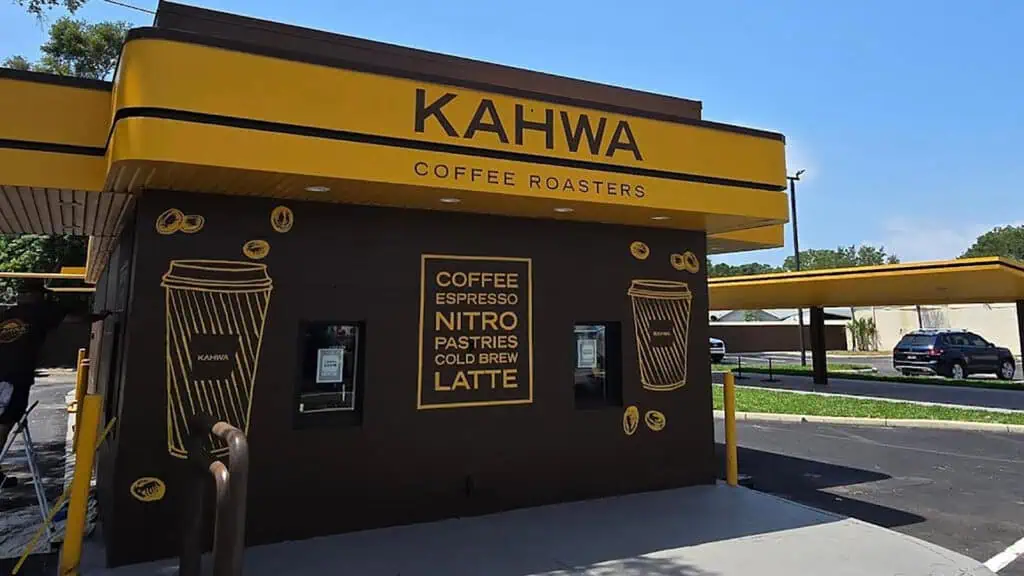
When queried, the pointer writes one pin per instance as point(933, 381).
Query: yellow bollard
point(81, 383)
point(89, 414)
point(732, 475)
point(79, 386)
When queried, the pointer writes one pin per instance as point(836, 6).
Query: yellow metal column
point(80, 383)
point(81, 386)
point(89, 413)
point(732, 476)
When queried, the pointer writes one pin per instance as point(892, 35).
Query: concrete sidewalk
point(699, 531)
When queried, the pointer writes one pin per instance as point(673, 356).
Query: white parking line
point(1004, 558)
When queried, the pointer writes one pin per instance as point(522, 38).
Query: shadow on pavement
point(638, 534)
point(50, 457)
point(35, 565)
point(807, 482)
point(642, 567)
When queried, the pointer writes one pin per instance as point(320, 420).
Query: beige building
point(997, 323)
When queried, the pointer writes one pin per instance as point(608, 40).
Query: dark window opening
point(112, 390)
point(597, 364)
point(916, 340)
point(977, 341)
point(330, 386)
point(957, 340)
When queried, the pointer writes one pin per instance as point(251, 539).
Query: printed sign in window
point(329, 379)
point(330, 365)
point(586, 353)
point(476, 327)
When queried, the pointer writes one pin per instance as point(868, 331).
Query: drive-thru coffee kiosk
point(423, 286)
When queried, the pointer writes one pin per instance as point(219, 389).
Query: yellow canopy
point(974, 280)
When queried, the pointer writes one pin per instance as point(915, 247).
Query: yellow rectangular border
point(529, 332)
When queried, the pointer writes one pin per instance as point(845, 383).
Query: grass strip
point(876, 377)
point(781, 402)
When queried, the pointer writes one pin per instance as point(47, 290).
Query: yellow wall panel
point(53, 114)
point(50, 170)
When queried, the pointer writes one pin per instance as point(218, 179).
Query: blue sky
point(908, 116)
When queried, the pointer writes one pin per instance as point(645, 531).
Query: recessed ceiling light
point(317, 189)
point(659, 217)
point(450, 200)
point(564, 210)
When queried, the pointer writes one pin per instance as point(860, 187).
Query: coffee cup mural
point(172, 221)
point(639, 250)
point(281, 219)
point(686, 261)
point(215, 315)
point(661, 320)
point(148, 489)
point(661, 324)
point(630, 420)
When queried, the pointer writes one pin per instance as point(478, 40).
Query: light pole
point(796, 258)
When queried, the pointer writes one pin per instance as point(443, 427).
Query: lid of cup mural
point(216, 275)
point(660, 289)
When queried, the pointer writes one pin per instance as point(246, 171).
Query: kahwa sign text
point(585, 132)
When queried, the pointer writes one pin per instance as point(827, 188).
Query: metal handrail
point(756, 359)
point(230, 485)
point(229, 539)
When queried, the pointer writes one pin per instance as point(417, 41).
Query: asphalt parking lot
point(960, 490)
point(19, 512)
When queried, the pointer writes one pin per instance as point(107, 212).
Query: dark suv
point(951, 353)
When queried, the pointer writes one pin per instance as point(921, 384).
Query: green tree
point(74, 48)
point(31, 253)
point(17, 63)
point(841, 257)
point(38, 7)
point(722, 270)
point(814, 259)
point(77, 48)
point(1005, 241)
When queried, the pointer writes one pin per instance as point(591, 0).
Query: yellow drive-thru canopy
point(974, 280)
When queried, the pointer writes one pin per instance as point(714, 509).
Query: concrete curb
point(877, 422)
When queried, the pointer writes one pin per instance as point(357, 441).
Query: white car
point(717, 350)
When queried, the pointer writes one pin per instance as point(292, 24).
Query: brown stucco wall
point(740, 339)
point(397, 464)
point(60, 350)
